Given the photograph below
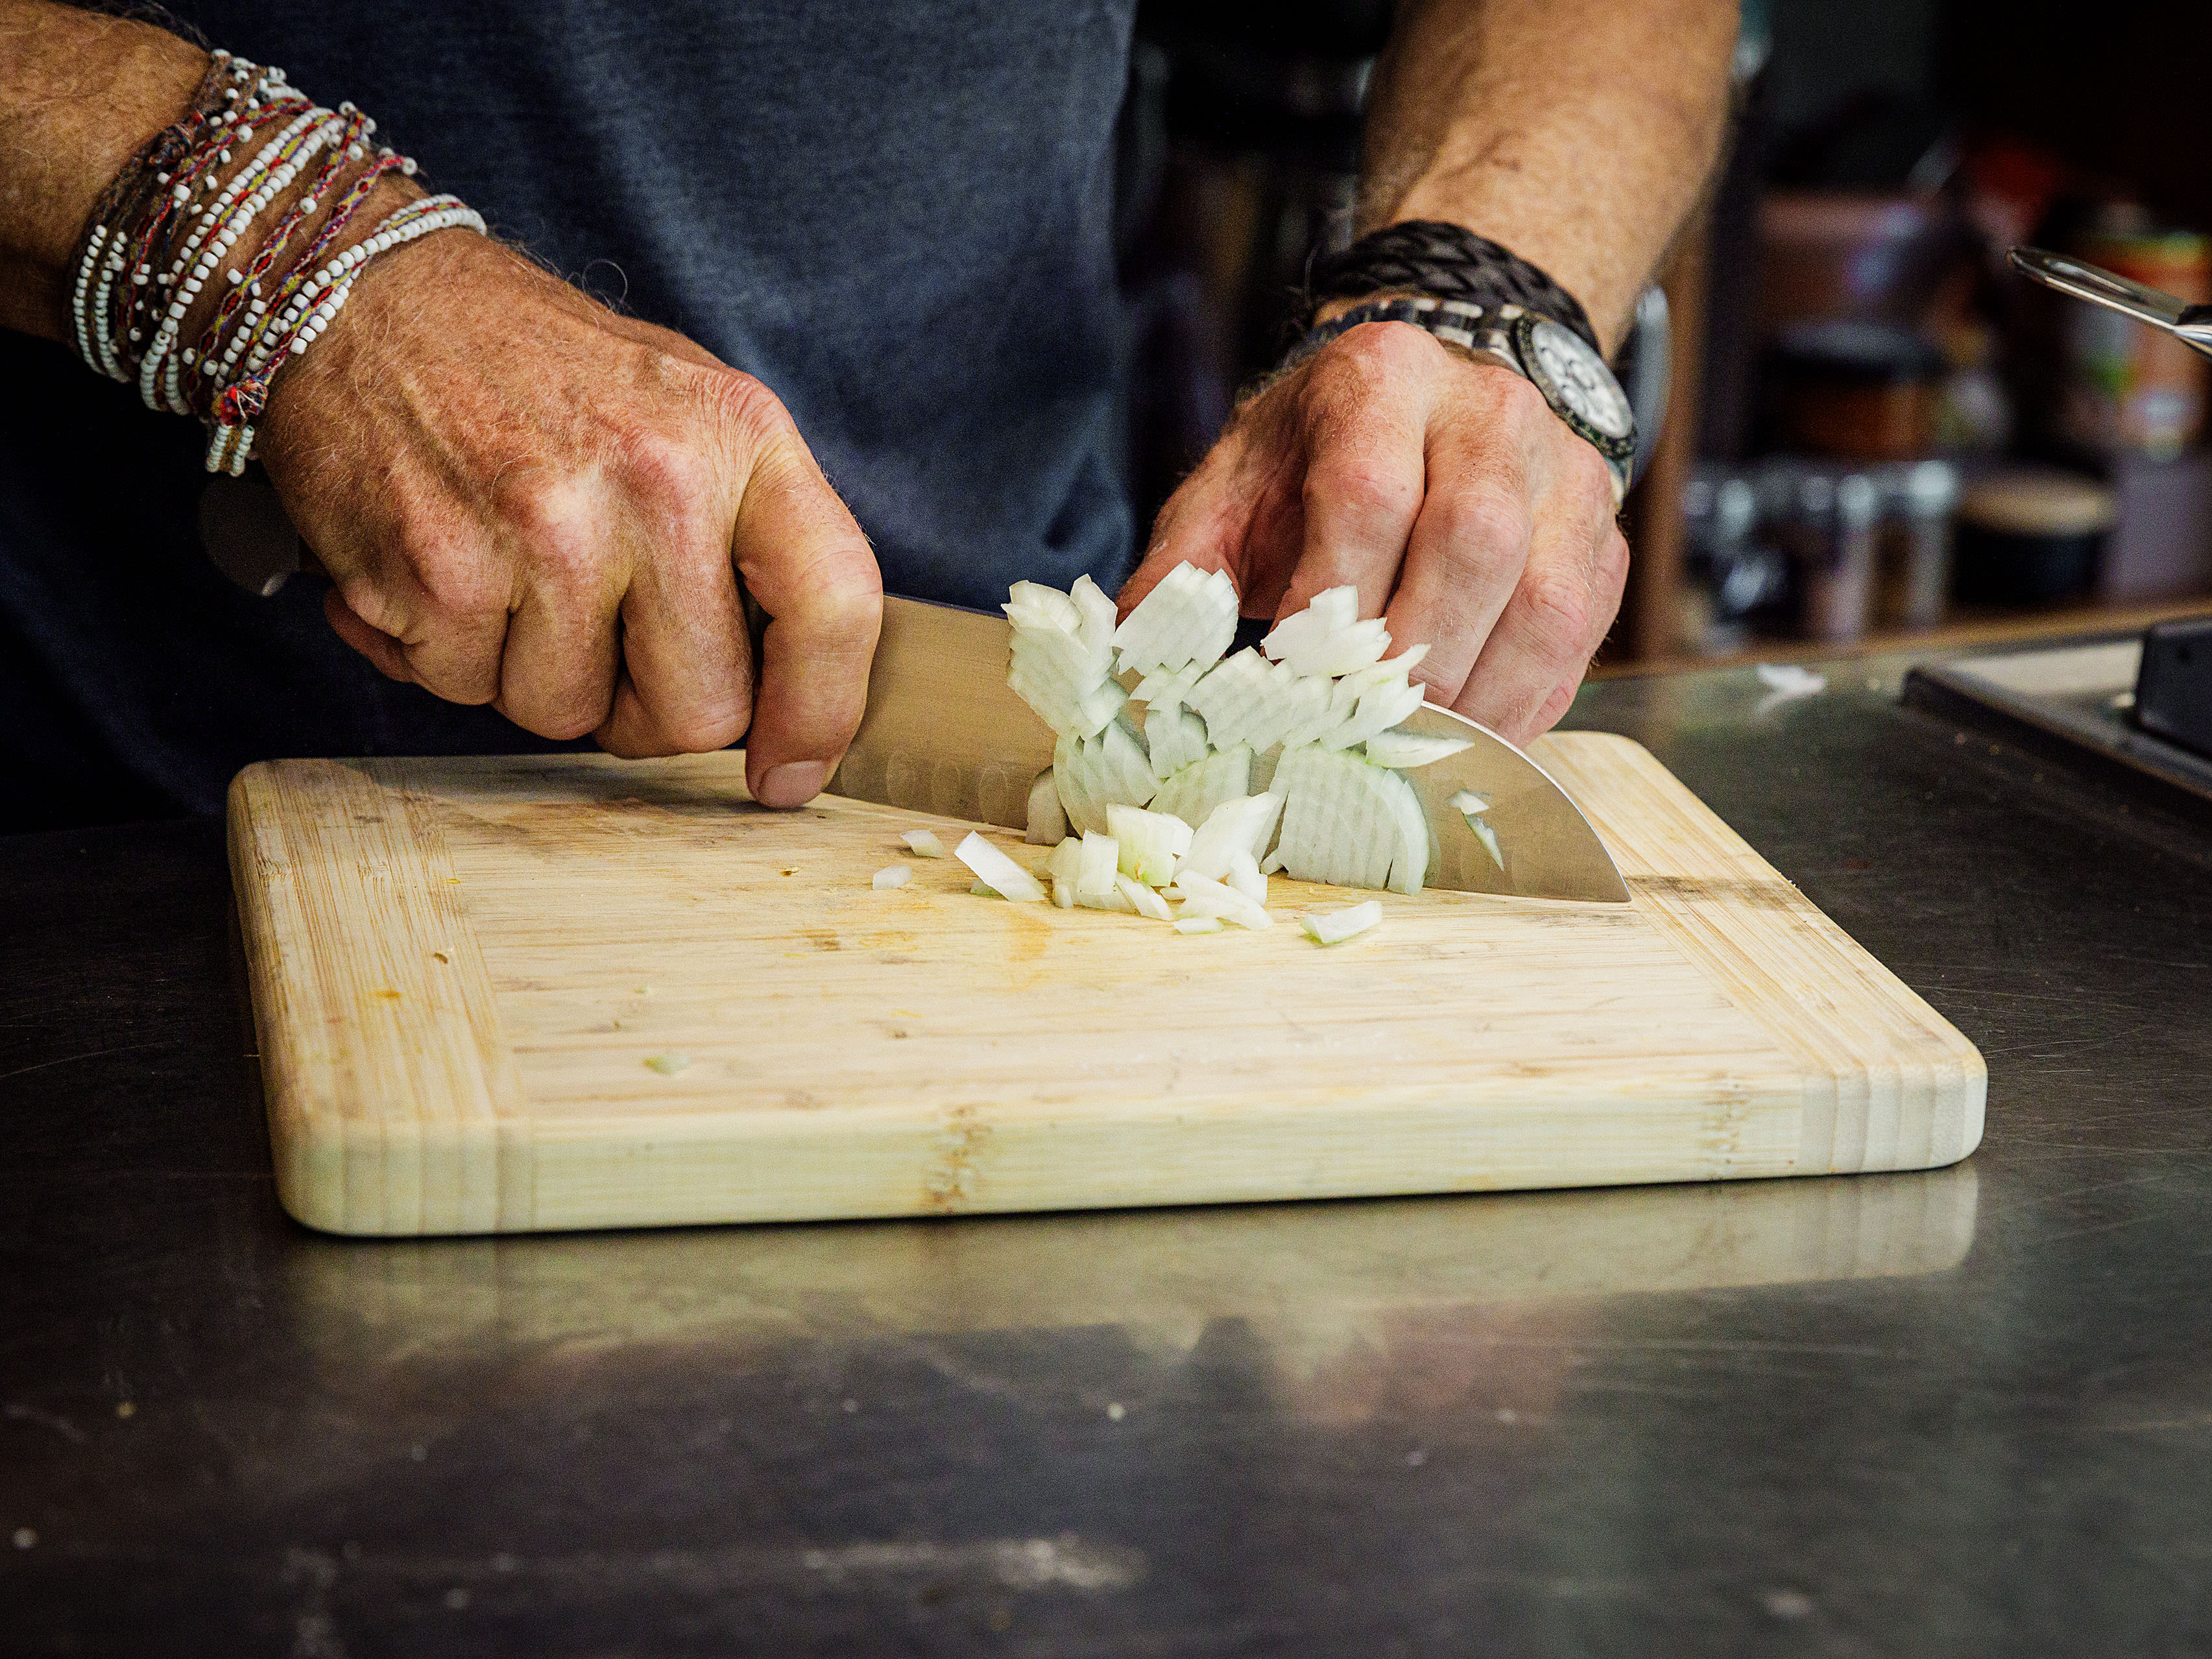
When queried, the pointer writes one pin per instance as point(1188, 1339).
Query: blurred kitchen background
point(1874, 433)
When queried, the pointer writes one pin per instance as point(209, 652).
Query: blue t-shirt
point(898, 216)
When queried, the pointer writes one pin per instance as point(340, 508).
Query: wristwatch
point(1551, 357)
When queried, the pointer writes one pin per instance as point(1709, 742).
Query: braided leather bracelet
point(1446, 262)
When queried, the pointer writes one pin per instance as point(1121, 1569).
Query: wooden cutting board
point(507, 994)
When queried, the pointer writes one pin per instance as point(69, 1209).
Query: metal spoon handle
point(2191, 324)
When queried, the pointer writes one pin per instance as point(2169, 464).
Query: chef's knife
point(946, 734)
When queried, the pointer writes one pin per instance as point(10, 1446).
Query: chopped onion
point(1165, 689)
point(1151, 843)
point(1142, 899)
point(1176, 738)
point(1211, 898)
point(1095, 773)
point(1271, 864)
point(923, 843)
point(1471, 806)
point(1193, 793)
point(1112, 899)
point(1488, 837)
point(670, 1063)
point(1334, 926)
point(1243, 825)
point(1094, 871)
point(1198, 924)
point(1244, 876)
point(1350, 822)
point(1191, 616)
point(1063, 862)
point(1063, 893)
point(1048, 818)
point(1400, 750)
point(1468, 802)
point(984, 890)
point(1328, 612)
point(897, 876)
point(998, 871)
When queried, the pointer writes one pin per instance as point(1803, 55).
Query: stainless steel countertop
point(1963, 1412)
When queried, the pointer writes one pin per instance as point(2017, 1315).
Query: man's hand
point(1447, 491)
point(527, 500)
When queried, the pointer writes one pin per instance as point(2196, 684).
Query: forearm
point(1577, 133)
point(79, 93)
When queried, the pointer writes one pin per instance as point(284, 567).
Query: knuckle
point(749, 416)
point(555, 522)
point(1483, 524)
point(670, 480)
point(1380, 349)
point(1557, 610)
point(1364, 485)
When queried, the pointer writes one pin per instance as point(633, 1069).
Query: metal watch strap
point(1496, 334)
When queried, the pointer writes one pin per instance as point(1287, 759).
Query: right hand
point(527, 500)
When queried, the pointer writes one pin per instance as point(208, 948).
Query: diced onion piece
point(1112, 899)
point(1151, 843)
point(1062, 863)
point(1332, 610)
point(897, 876)
point(1416, 852)
point(1193, 793)
point(923, 843)
point(1142, 899)
point(1095, 627)
point(1245, 824)
point(1190, 616)
point(1094, 772)
point(1048, 818)
point(1165, 688)
point(1399, 750)
point(984, 890)
point(1094, 872)
point(1244, 876)
point(1176, 739)
point(1231, 695)
point(1198, 924)
point(1334, 926)
point(1466, 801)
point(1211, 898)
point(1048, 605)
point(998, 871)
point(1343, 651)
point(1339, 818)
point(670, 1063)
point(1272, 863)
point(1380, 707)
point(1063, 893)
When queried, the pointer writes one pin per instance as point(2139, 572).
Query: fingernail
point(794, 783)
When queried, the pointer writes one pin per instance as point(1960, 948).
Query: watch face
point(1575, 381)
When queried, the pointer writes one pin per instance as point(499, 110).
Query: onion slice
point(1335, 926)
point(998, 871)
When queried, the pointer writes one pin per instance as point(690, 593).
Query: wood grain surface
point(463, 971)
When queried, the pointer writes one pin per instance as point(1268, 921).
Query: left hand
point(1446, 490)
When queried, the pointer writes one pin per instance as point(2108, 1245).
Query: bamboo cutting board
point(513, 994)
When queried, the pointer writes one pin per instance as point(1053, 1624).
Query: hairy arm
point(79, 93)
point(1577, 132)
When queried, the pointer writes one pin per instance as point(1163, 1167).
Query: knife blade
point(944, 733)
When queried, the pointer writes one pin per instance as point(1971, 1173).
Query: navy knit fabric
point(897, 215)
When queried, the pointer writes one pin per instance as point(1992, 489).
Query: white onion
point(998, 871)
point(1151, 843)
point(897, 876)
point(1244, 876)
point(1193, 793)
point(923, 843)
point(1246, 824)
point(1094, 870)
point(1142, 899)
point(1211, 898)
point(1048, 818)
point(1402, 749)
point(1191, 616)
point(1198, 924)
point(1334, 926)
